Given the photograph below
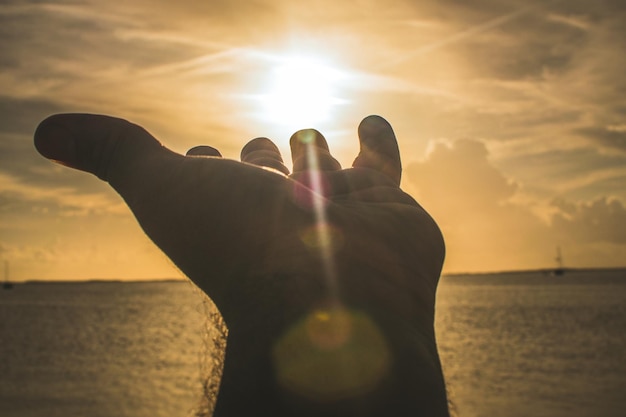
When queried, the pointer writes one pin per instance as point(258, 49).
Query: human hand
point(307, 269)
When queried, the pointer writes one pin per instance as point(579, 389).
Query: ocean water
point(522, 345)
point(512, 345)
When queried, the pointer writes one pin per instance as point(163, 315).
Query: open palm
point(325, 277)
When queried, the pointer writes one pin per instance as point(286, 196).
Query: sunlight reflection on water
point(511, 346)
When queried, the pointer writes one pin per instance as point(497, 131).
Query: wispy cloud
point(579, 22)
point(537, 88)
point(459, 36)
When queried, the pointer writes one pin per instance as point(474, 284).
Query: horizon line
point(183, 279)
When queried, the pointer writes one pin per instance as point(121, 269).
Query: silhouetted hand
point(326, 278)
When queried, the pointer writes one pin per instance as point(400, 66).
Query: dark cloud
point(22, 115)
point(80, 38)
point(537, 41)
point(601, 220)
point(26, 172)
point(608, 186)
point(18, 157)
point(240, 13)
point(464, 12)
point(606, 136)
point(557, 166)
point(514, 52)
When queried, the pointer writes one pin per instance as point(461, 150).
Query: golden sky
point(510, 115)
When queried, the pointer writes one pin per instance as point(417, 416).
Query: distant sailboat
point(560, 269)
point(6, 284)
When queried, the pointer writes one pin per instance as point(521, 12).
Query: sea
point(526, 344)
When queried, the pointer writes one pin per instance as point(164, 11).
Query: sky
point(510, 115)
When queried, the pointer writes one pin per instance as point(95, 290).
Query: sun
point(301, 91)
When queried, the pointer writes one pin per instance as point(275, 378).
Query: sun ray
point(323, 235)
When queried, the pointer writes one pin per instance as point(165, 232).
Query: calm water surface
point(535, 345)
point(512, 345)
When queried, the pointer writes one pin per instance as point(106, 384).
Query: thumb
point(101, 145)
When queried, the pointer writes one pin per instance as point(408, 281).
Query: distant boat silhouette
point(6, 285)
point(560, 269)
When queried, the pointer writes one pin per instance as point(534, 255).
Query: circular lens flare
point(332, 353)
point(322, 236)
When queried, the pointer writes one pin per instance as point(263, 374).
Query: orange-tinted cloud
point(484, 222)
point(538, 87)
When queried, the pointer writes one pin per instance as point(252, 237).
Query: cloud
point(578, 22)
point(537, 74)
point(539, 86)
point(484, 220)
point(18, 198)
point(578, 173)
point(470, 180)
point(21, 115)
point(605, 136)
point(23, 172)
point(471, 201)
point(601, 220)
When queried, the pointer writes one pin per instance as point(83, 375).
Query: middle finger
point(309, 152)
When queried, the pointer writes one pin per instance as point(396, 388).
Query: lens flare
point(325, 235)
point(328, 329)
point(319, 203)
point(332, 353)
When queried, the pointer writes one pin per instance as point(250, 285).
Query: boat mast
point(559, 258)
point(6, 285)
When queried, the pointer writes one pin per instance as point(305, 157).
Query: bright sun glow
point(301, 91)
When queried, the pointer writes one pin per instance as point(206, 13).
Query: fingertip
point(379, 148)
point(264, 153)
point(203, 150)
point(307, 142)
point(300, 140)
point(260, 144)
point(375, 127)
point(54, 140)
